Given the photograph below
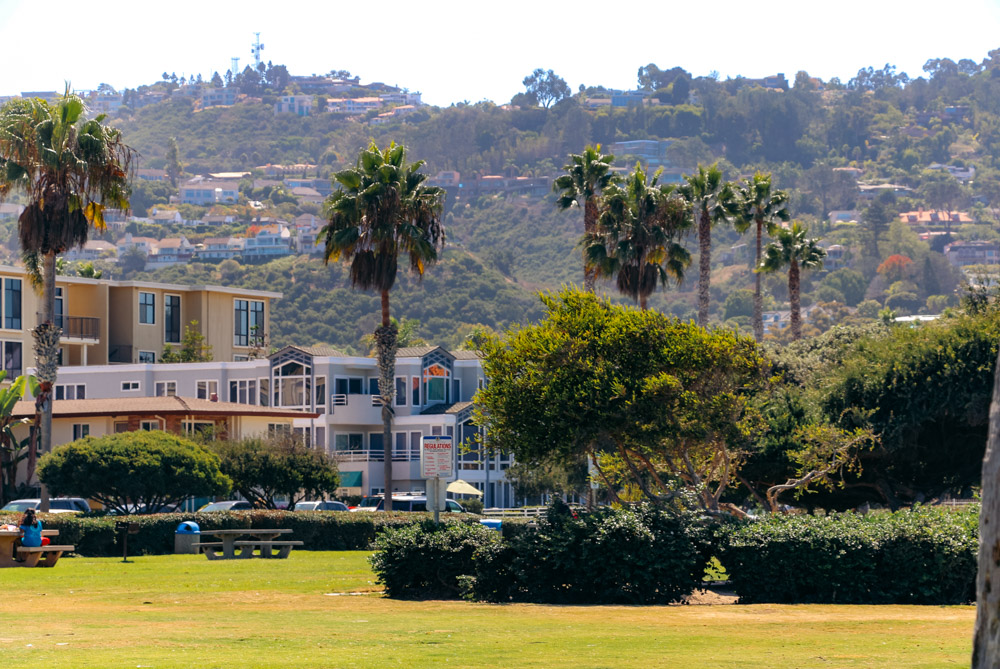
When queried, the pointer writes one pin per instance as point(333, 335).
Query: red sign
point(437, 457)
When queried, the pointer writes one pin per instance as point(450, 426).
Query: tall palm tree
point(636, 237)
point(70, 168)
point(712, 200)
point(793, 250)
point(587, 175)
point(763, 207)
point(380, 211)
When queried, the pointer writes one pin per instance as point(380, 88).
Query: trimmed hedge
point(925, 556)
point(95, 536)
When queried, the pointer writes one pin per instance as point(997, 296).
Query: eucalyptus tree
point(636, 240)
point(712, 201)
point(796, 252)
point(763, 207)
point(381, 211)
point(69, 168)
point(587, 175)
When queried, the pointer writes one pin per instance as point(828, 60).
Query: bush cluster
point(630, 556)
point(925, 556)
point(94, 536)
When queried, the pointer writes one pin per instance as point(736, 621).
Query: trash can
point(492, 523)
point(187, 534)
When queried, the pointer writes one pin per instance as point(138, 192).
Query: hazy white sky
point(454, 50)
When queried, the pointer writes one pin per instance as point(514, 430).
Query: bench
point(213, 550)
point(51, 553)
point(267, 548)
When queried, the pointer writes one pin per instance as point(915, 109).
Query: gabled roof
point(415, 351)
point(128, 406)
point(315, 351)
point(439, 409)
point(462, 354)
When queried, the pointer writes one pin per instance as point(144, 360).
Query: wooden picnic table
point(7, 539)
point(262, 540)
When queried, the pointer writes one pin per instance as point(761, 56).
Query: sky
point(471, 50)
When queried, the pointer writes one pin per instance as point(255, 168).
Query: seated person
point(31, 529)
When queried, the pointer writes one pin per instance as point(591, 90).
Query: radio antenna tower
point(255, 50)
point(236, 66)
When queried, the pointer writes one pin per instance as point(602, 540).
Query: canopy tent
point(460, 487)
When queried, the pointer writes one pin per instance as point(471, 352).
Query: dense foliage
point(133, 468)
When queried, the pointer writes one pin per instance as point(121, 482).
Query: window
point(243, 391)
point(207, 390)
point(240, 358)
point(147, 308)
point(265, 388)
point(349, 386)
point(435, 380)
point(80, 430)
point(348, 441)
point(415, 385)
point(166, 388)
point(12, 358)
point(59, 307)
point(172, 319)
point(456, 390)
point(248, 328)
point(71, 391)
point(202, 428)
point(149, 425)
point(12, 304)
point(147, 356)
point(401, 391)
point(278, 429)
point(130, 385)
point(375, 445)
point(373, 387)
point(121, 426)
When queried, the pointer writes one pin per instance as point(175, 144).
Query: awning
point(350, 479)
point(460, 487)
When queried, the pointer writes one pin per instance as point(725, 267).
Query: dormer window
point(436, 379)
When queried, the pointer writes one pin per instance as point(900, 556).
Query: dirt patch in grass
point(711, 598)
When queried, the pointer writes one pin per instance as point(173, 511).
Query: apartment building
point(341, 408)
point(129, 321)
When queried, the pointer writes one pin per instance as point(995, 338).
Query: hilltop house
point(267, 243)
point(220, 248)
point(205, 190)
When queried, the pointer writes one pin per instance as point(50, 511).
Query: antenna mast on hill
point(236, 66)
point(255, 50)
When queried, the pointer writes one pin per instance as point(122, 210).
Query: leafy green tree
point(712, 200)
point(380, 211)
point(587, 175)
point(133, 468)
point(262, 470)
point(636, 239)
point(88, 271)
point(877, 217)
point(670, 400)
point(796, 252)
point(763, 207)
point(69, 169)
point(174, 167)
point(546, 87)
point(193, 347)
point(132, 261)
point(849, 283)
point(738, 303)
point(13, 450)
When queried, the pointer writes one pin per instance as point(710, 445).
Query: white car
point(406, 503)
point(328, 505)
point(56, 505)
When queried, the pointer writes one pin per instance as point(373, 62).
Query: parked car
point(56, 505)
point(407, 503)
point(137, 509)
point(328, 505)
point(229, 505)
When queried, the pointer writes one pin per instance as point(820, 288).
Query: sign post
point(437, 463)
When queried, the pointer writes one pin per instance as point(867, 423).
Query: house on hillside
point(170, 251)
point(841, 216)
point(93, 249)
point(147, 245)
point(960, 254)
point(267, 243)
point(217, 219)
point(165, 216)
point(147, 174)
point(306, 194)
point(216, 249)
point(203, 190)
point(933, 217)
point(300, 105)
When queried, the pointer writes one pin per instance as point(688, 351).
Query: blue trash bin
point(187, 534)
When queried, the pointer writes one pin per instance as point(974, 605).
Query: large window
point(147, 308)
point(172, 319)
point(293, 385)
point(12, 358)
point(80, 430)
point(147, 356)
point(166, 388)
point(71, 391)
point(344, 441)
point(12, 304)
point(401, 391)
point(207, 390)
point(243, 391)
point(248, 327)
point(436, 383)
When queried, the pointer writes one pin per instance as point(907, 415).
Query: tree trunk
point(642, 302)
point(589, 225)
point(793, 298)
point(704, 266)
point(385, 346)
point(46, 337)
point(758, 299)
point(986, 641)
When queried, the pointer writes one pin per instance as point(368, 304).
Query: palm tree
point(797, 253)
point(635, 240)
point(381, 211)
point(587, 175)
point(70, 168)
point(763, 207)
point(712, 200)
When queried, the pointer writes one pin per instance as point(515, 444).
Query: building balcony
point(78, 328)
point(357, 409)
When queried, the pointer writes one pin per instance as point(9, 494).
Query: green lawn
point(184, 611)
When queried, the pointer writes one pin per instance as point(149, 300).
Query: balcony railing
point(369, 455)
point(77, 327)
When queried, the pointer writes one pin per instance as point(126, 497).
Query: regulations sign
point(437, 457)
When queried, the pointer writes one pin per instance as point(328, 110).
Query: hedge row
point(926, 556)
point(95, 536)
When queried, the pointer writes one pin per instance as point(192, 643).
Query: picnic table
point(32, 556)
point(262, 542)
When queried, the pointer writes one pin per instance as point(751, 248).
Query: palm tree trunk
point(758, 299)
point(589, 224)
point(704, 266)
point(986, 640)
point(793, 298)
point(642, 302)
point(385, 346)
point(46, 352)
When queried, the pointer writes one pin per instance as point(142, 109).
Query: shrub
point(424, 561)
point(926, 556)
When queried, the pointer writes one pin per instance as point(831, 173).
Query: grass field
point(324, 610)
